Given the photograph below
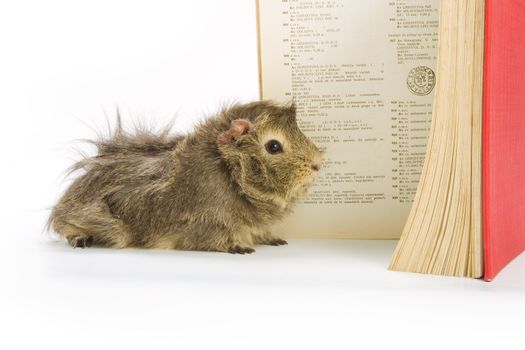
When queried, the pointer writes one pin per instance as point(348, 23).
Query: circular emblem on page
point(421, 80)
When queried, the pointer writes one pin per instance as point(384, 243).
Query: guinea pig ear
point(238, 127)
point(290, 110)
point(292, 107)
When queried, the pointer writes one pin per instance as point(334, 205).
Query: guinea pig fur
point(218, 188)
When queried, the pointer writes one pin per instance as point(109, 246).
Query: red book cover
point(504, 134)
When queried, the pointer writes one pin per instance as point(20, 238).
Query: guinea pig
point(218, 188)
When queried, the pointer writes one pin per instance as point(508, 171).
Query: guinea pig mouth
point(313, 176)
point(298, 191)
point(303, 187)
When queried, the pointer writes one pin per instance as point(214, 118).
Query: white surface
point(63, 63)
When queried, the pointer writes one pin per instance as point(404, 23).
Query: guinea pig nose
point(315, 166)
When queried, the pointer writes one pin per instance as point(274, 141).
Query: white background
point(63, 66)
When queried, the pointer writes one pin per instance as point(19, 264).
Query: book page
point(362, 75)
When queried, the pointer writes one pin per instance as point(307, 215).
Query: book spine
point(488, 273)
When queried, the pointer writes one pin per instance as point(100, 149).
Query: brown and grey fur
point(215, 189)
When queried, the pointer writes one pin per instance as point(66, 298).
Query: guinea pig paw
point(276, 241)
point(240, 250)
point(80, 241)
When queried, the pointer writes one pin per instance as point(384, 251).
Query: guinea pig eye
point(274, 147)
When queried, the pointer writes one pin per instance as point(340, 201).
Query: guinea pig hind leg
point(75, 236)
point(91, 225)
point(82, 241)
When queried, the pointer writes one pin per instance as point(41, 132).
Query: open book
point(363, 75)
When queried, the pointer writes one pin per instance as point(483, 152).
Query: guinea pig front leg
point(267, 238)
point(241, 241)
point(217, 238)
point(237, 249)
